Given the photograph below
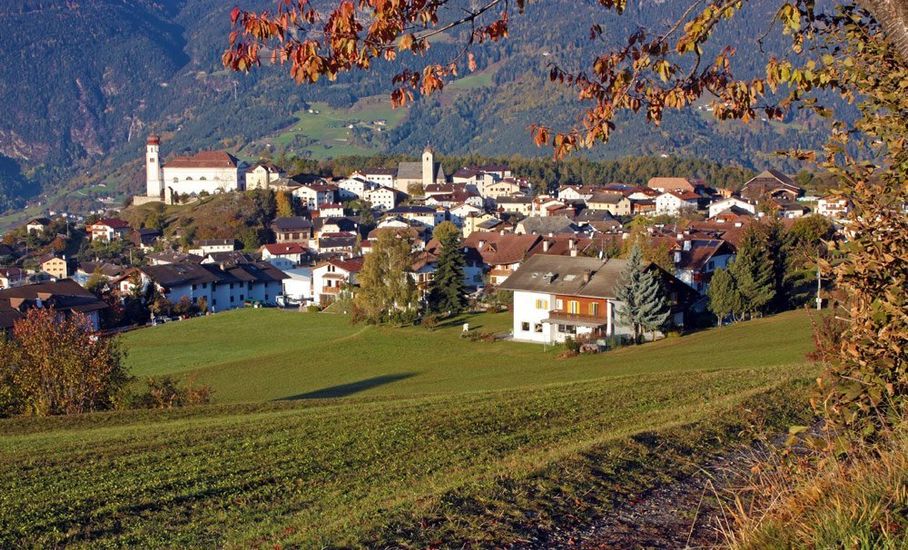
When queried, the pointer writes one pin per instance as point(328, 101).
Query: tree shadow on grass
point(343, 390)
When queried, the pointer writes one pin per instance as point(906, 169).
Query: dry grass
point(796, 501)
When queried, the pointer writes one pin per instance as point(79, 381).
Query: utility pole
point(819, 285)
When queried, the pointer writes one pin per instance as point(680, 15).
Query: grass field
point(254, 355)
point(430, 438)
point(326, 130)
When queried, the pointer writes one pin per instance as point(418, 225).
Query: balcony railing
point(556, 316)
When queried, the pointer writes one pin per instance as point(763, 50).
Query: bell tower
point(428, 165)
point(154, 177)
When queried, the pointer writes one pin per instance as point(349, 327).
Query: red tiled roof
point(498, 249)
point(285, 248)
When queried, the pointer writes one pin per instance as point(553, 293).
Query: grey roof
point(543, 225)
point(574, 276)
point(413, 171)
point(291, 223)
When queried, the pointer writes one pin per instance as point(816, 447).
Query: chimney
point(545, 245)
point(686, 245)
point(571, 243)
point(587, 275)
point(680, 236)
point(573, 253)
point(677, 256)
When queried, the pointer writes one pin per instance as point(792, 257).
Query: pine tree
point(752, 270)
point(724, 297)
point(644, 306)
point(778, 243)
point(447, 292)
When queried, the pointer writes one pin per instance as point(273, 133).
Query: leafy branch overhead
point(656, 70)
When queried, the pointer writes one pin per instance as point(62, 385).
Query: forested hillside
point(87, 80)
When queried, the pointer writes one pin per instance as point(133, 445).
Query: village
point(556, 260)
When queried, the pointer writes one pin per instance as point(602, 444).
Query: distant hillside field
point(432, 439)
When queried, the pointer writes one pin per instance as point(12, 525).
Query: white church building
point(208, 171)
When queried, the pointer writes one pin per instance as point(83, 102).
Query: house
point(546, 225)
point(344, 224)
point(425, 215)
point(106, 270)
point(770, 184)
point(164, 258)
point(571, 193)
point(695, 260)
point(835, 208)
point(501, 253)
point(55, 266)
point(292, 229)
point(731, 202)
point(419, 175)
point(788, 209)
point(614, 203)
point(314, 195)
point(263, 174)
point(297, 287)
point(144, 238)
point(330, 277)
point(518, 205)
point(108, 229)
point(343, 242)
point(220, 287)
point(65, 296)
point(733, 216)
point(459, 213)
point(600, 220)
point(37, 225)
point(353, 187)
point(480, 222)
point(12, 276)
point(505, 187)
point(684, 185)
point(205, 247)
point(330, 210)
point(556, 297)
point(381, 176)
point(673, 203)
point(382, 198)
point(282, 254)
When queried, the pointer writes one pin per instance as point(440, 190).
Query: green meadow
point(328, 434)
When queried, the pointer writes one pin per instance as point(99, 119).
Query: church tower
point(428, 167)
point(154, 177)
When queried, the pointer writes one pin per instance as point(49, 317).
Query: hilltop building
point(206, 171)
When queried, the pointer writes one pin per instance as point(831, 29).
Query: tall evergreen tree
point(753, 272)
point(778, 245)
point(644, 305)
point(724, 297)
point(447, 292)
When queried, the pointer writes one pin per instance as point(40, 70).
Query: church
point(208, 171)
point(422, 173)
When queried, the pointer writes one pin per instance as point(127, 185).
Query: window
point(542, 304)
point(193, 287)
point(594, 309)
point(231, 299)
point(214, 301)
point(204, 285)
point(567, 329)
point(573, 307)
point(242, 297)
point(559, 304)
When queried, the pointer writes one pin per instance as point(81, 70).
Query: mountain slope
point(91, 78)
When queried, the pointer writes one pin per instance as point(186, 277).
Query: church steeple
point(154, 178)
point(428, 166)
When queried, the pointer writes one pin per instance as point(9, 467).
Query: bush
point(572, 345)
point(164, 392)
point(312, 308)
point(431, 321)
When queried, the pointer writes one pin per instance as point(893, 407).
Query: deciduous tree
point(386, 292)
point(56, 364)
